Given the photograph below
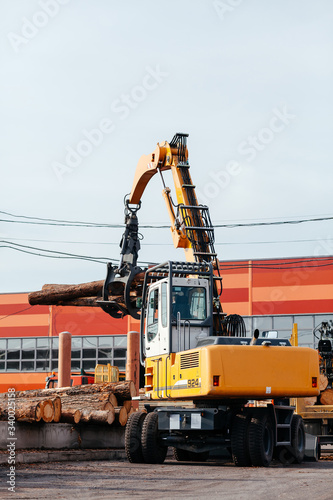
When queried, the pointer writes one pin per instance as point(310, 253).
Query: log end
point(48, 411)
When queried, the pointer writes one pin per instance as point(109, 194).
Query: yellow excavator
point(192, 351)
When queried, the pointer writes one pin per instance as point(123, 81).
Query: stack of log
point(85, 294)
point(107, 403)
point(326, 395)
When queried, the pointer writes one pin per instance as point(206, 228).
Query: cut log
point(80, 400)
point(128, 405)
point(39, 411)
point(121, 415)
point(122, 390)
point(57, 409)
point(326, 397)
point(113, 400)
point(108, 407)
point(48, 410)
point(98, 417)
point(54, 293)
point(81, 302)
point(310, 401)
point(26, 414)
point(323, 382)
point(25, 409)
point(70, 416)
point(23, 412)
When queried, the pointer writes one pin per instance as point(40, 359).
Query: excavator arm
point(191, 227)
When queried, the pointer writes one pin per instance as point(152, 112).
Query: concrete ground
point(214, 480)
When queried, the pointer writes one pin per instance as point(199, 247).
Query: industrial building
point(269, 294)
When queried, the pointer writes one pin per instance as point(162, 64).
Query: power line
point(72, 242)
point(59, 222)
point(286, 264)
point(274, 223)
point(65, 224)
point(264, 242)
point(54, 254)
point(164, 244)
point(43, 219)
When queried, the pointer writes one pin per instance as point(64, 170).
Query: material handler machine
point(192, 351)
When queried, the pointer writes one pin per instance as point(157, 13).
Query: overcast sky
point(88, 86)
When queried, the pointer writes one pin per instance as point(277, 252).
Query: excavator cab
point(178, 307)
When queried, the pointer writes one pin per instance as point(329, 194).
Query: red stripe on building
point(86, 321)
point(22, 308)
point(293, 277)
point(235, 295)
point(293, 307)
point(28, 331)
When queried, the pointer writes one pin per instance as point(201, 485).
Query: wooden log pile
point(326, 393)
point(107, 403)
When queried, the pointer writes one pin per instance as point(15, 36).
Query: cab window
point(198, 303)
point(190, 302)
point(164, 303)
point(152, 315)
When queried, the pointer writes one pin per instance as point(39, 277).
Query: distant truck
point(103, 373)
point(76, 379)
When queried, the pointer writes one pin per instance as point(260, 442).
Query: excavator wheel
point(133, 446)
point(153, 452)
point(240, 440)
point(261, 439)
point(295, 452)
point(297, 438)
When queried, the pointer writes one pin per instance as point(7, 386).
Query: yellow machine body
point(233, 371)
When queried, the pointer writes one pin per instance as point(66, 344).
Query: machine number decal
point(193, 382)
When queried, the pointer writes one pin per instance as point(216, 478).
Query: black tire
point(153, 452)
point(240, 440)
point(295, 453)
point(297, 438)
point(261, 439)
point(133, 446)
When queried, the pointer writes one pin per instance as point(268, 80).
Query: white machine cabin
point(176, 319)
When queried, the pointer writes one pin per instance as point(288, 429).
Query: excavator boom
point(191, 226)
